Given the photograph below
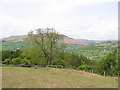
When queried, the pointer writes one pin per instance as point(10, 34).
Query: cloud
point(82, 2)
point(67, 16)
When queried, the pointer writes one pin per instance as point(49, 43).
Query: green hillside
point(94, 52)
point(14, 45)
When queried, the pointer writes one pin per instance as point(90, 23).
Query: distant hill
point(102, 41)
point(69, 40)
point(14, 38)
point(66, 39)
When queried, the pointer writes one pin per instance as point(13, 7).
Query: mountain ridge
point(66, 39)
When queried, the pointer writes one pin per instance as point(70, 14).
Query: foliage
point(59, 62)
point(47, 41)
point(34, 55)
point(10, 54)
point(16, 61)
point(25, 61)
point(109, 64)
point(84, 67)
point(7, 61)
point(6, 54)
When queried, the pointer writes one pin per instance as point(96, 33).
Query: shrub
point(7, 61)
point(16, 61)
point(84, 67)
point(58, 62)
point(25, 61)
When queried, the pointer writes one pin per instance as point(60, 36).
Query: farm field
point(9, 45)
point(19, 77)
point(94, 52)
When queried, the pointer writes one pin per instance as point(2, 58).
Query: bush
point(84, 67)
point(25, 61)
point(59, 62)
point(7, 61)
point(10, 54)
point(16, 61)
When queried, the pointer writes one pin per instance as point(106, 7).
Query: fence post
point(104, 73)
point(92, 71)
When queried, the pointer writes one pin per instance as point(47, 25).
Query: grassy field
point(19, 77)
point(0, 77)
point(14, 45)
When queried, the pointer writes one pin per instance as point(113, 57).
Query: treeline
point(32, 56)
point(109, 65)
point(48, 49)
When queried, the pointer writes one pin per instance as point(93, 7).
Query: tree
point(9, 54)
point(48, 42)
point(6, 54)
point(109, 64)
point(34, 55)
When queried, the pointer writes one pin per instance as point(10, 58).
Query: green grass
point(19, 77)
point(0, 77)
point(14, 45)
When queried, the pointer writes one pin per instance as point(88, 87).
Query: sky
point(79, 19)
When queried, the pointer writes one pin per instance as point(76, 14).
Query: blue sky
point(81, 19)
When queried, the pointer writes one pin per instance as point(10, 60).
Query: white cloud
point(82, 2)
point(56, 13)
point(106, 29)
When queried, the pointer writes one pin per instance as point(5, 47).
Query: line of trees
point(33, 56)
point(48, 49)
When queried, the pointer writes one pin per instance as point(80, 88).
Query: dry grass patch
point(19, 77)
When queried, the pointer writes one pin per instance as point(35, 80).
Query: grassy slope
point(14, 45)
point(18, 77)
point(0, 77)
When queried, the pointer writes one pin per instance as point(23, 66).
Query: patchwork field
point(19, 77)
point(94, 52)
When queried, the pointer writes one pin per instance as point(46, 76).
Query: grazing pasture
point(20, 77)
